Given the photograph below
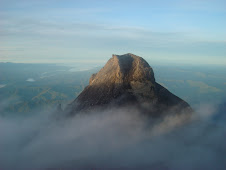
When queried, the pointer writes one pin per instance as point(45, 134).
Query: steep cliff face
point(127, 80)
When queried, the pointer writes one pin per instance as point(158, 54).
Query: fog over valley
point(118, 138)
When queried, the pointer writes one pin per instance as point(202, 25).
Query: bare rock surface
point(127, 80)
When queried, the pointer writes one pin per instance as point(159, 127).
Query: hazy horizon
point(179, 31)
point(101, 63)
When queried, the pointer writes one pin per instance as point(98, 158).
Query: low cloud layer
point(119, 138)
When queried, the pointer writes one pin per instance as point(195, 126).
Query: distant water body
point(2, 85)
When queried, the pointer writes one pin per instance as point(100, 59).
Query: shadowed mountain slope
point(127, 80)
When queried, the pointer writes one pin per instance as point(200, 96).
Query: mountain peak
point(124, 69)
point(127, 80)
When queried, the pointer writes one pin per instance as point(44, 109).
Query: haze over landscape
point(113, 84)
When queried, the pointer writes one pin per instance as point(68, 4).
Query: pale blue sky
point(162, 31)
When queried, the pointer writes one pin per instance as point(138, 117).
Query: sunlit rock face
point(127, 81)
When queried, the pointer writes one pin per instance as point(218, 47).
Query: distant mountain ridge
point(127, 80)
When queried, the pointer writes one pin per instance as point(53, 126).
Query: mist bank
point(117, 138)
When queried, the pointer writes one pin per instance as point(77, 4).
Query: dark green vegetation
point(24, 87)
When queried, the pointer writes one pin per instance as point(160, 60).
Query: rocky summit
point(127, 80)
